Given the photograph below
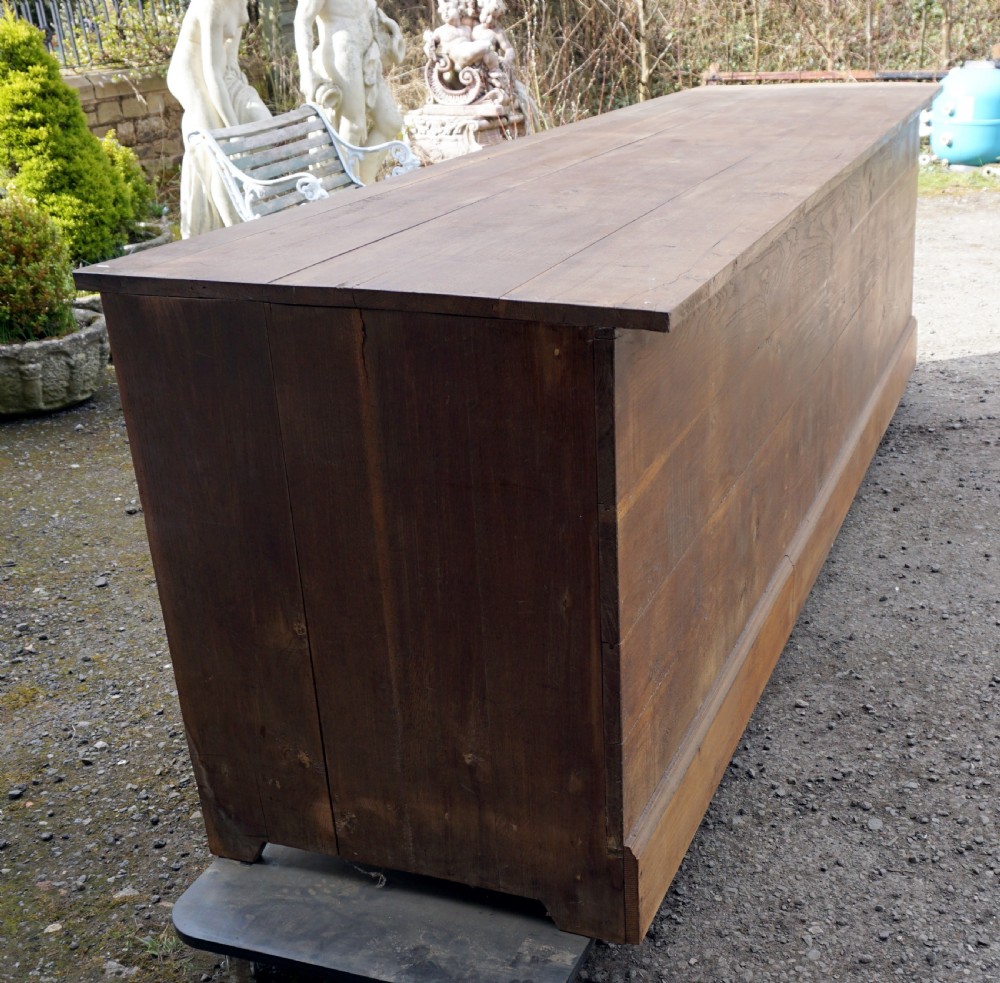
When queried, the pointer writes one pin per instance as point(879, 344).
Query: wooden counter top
point(617, 221)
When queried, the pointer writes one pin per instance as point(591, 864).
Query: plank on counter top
point(617, 221)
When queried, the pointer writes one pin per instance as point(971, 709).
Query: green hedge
point(36, 285)
point(92, 189)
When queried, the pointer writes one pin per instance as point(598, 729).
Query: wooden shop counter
point(482, 501)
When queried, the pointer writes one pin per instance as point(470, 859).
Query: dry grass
point(583, 57)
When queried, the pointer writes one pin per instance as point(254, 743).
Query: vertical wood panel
point(199, 403)
point(610, 602)
point(683, 638)
point(444, 489)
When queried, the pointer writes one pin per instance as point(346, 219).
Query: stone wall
point(143, 113)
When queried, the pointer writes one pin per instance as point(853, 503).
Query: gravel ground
point(854, 837)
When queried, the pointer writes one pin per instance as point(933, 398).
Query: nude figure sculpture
point(206, 79)
point(343, 49)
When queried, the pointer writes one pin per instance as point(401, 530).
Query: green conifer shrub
point(36, 282)
point(138, 190)
point(47, 153)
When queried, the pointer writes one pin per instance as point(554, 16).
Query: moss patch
point(20, 696)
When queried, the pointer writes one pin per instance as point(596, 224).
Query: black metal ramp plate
point(303, 910)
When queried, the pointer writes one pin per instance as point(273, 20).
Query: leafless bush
point(582, 57)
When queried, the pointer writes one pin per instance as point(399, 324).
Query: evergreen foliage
point(36, 283)
point(139, 194)
point(92, 191)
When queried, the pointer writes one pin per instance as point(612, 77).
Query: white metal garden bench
point(288, 159)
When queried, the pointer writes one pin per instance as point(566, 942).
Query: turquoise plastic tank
point(965, 117)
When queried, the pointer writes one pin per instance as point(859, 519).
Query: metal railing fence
point(76, 31)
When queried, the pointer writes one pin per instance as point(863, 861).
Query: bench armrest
point(243, 189)
point(352, 154)
point(303, 136)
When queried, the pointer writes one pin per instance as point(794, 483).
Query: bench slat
point(271, 137)
point(279, 150)
point(316, 137)
point(263, 125)
point(321, 164)
point(286, 158)
point(286, 198)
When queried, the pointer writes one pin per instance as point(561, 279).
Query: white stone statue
point(205, 78)
point(499, 57)
point(475, 98)
point(342, 66)
point(452, 42)
point(469, 58)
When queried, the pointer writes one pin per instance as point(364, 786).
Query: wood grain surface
point(700, 179)
point(441, 474)
point(202, 418)
point(483, 501)
point(728, 499)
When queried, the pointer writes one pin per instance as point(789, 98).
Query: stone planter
point(40, 376)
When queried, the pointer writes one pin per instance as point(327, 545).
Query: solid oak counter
point(483, 501)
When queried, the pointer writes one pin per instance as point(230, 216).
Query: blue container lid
point(970, 92)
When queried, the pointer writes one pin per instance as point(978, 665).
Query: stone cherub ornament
point(469, 58)
point(475, 98)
